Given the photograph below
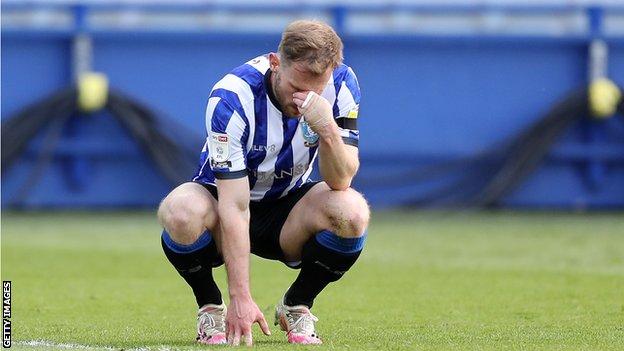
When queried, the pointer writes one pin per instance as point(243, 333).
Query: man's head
point(308, 53)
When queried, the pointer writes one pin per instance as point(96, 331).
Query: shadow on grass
point(185, 343)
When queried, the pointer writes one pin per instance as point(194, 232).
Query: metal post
point(76, 168)
point(82, 46)
point(598, 52)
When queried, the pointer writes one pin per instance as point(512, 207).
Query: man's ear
point(274, 61)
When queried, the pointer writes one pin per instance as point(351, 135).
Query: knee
point(185, 219)
point(348, 213)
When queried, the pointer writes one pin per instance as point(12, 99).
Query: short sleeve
point(227, 134)
point(347, 105)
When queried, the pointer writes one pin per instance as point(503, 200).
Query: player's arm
point(338, 162)
point(233, 209)
point(226, 128)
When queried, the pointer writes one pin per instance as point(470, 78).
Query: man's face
point(294, 77)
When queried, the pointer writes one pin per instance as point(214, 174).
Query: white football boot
point(297, 322)
point(211, 324)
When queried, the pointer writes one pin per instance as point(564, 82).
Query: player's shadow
point(173, 344)
point(269, 342)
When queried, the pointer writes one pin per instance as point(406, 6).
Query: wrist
point(328, 132)
point(239, 294)
point(238, 287)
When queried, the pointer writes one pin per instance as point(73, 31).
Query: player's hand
point(315, 109)
point(241, 314)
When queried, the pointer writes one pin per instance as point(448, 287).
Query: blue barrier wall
point(425, 98)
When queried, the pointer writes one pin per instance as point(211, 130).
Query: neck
point(271, 82)
point(273, 79)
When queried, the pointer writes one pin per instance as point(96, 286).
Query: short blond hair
point(312, 42)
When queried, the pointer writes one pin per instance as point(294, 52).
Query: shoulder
point(343, 73)
point(241, 85)
point(346, 83)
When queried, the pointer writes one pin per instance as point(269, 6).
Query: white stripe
point(43, 343)
point(235, 129)
point(306, 175)
point(275, 139)
point(236, 85)
point(261, 63)
point(346, 102)
point(301, 153)
point(329, 93)
point(50, 344)
point(252, 127)
point(210, 107)
point(201, 170)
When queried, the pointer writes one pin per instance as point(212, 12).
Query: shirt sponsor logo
point(266, 178)
point(266, 148)
point(224, 164)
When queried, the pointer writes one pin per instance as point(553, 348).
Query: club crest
point(309, 136)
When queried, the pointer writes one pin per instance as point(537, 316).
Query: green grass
point(425, 281)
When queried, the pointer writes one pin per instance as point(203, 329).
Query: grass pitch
point(424, 281)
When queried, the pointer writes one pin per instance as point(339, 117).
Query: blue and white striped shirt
point(249, 136)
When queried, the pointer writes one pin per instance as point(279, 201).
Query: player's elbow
point(339, 185)
point(343, 181)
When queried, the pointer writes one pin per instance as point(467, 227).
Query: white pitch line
point(51, 344)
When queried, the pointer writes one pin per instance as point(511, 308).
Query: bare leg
point(326, 232)
point(190, 238)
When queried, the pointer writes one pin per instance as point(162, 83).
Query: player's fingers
point(300, 95)
point(310, 99)
point(263, 324)
point(232, 332)
point(237, 336)
point(298, 102)
point(248, 338)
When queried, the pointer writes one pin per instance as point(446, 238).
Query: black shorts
point(267, 220)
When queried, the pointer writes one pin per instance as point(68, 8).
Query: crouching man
point(267, 121)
